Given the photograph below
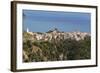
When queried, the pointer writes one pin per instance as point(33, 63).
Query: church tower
point(27, 30)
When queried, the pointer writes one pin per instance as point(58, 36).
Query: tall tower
point(27, 30)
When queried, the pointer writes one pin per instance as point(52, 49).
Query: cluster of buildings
point(57, 35)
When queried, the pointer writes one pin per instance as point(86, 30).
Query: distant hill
point(56, 45)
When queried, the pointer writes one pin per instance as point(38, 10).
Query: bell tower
point(27, 30)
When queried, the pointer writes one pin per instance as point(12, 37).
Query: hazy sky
point(42, 21)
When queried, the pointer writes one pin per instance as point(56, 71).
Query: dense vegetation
point(69, 49)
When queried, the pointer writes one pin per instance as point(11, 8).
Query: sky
point(43, 21)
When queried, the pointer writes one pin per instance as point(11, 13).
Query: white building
point(27, 30)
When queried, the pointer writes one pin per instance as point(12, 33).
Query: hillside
point(56, 45)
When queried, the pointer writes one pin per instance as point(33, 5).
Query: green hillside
point(56, 49)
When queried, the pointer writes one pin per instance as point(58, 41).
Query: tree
point(85, 48)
